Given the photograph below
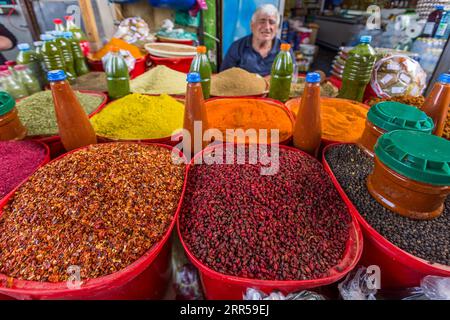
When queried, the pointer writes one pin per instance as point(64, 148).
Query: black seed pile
point(429, 240)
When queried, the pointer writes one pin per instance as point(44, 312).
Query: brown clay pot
point(10, 126)
point(369, 137)
point(409, 198)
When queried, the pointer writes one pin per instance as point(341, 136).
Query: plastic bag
point(356, 286)
point(187, 285)
point(253, 294)
point(431, 288)
point(398, 75)
point(133, 29)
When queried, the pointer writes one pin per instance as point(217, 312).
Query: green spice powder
point(37, 112)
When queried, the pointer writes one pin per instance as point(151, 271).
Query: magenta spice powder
point(289, 226)
point(18, 160)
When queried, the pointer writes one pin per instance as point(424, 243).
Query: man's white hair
point(266, 9)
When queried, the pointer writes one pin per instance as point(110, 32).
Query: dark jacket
point(6, 33)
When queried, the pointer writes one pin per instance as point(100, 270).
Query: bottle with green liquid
point(118, 78)
point(81, 66)
point(358, 70)
point(51, 54)
point(281, 75)
point(66, 51)
point(201, 65)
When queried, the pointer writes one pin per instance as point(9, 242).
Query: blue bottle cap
point(58, 34)
point(23, 46)
point(56, 75)
point(365, 39)
point(37, 43)
point(193, 77)
point(46, 37)
point(439, 7)
point(312, 77)
point(68, 34)
point(444, 78)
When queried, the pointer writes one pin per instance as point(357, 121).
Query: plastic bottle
point(74, 126)
point(443, 29)
point(308, 125)
point(11, 64)
point(434, 18)
point(201, 65)
point(39, 57)
point(66, 50)
point(11, 85)
point(59, 26)
point(78, 34)
point(194, 111)
point(437, 103)
point(281, 74)
point(51, 54)
point(358, 70)
point(79, 59)
point(30, 59)
point(27, 78)
point(10, 126)
point(117, 76)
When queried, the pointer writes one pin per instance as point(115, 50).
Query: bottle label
point(428, 30)
point(442, 28)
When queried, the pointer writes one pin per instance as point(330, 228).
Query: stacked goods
point(426, 239)
point(160, 80)
point(81, 210)
point(342, 120)
point(249, 114)
point(139, 117)
point(37, 112)
point(237, 82)
point(19, 159)
point(291, 225)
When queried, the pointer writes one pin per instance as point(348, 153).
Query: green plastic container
point(358, 70)
point(79, 59)
point(281, 75)
point(201, 65)
point(66, 51)
point(417, 155)
point(391, 116)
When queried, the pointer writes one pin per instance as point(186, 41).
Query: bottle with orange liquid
point(437, 103)
point(308, 126)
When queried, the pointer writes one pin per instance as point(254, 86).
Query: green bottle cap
point(7, 103)
point(391, 116)
point(416, 155)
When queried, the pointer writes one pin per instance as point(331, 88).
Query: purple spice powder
point(18, 160)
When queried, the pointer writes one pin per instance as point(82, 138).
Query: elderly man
point(257, 51)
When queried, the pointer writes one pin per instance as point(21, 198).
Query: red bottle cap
point(57, 21)
point(68, 18)
point(20, 67)
point(10, 63)
point(3, 68)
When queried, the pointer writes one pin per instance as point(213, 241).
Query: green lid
point(391, 116)
point(416, 155)
point(7, 103)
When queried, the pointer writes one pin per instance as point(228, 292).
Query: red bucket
point(182, 64)
point(218, 286)
point(399, 269)
point(146, 278)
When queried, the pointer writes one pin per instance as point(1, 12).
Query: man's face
point(265, 27)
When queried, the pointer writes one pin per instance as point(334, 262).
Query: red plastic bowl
point(146, 278)
point(399, 269)
point(182, 64)
point(139, 67)
point(219, 286)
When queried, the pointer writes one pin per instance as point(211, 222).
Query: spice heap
point(237, 82)
point(37, 112)
point(19, 159)
point(121, 44)
point(288, 226)
point(342, 120)
point(95, 81)
point(159, 80)
point(405, 99)
point(426, 239)
point(81, 210)
point(446, 133)
point(247, 114)
point(327, 89)
point(137, 116)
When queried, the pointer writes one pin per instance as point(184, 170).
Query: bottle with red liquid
point(74, 126)
point(308, 125)
point(437, 103)
point(194, 111)
point(434, 18)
